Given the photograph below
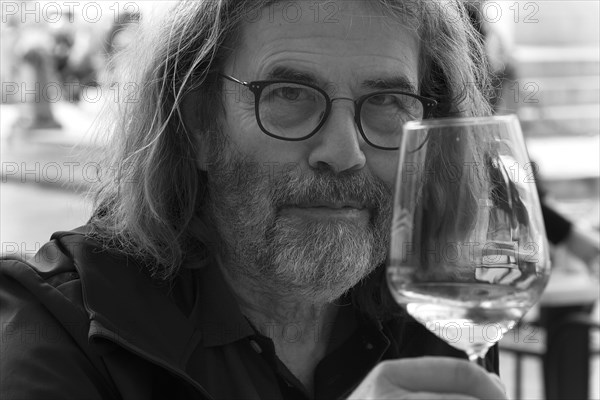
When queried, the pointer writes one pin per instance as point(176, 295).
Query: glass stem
point(474, 358)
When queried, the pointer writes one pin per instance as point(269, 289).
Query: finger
point(431, 396)
point(443, 375)
point(385, 390)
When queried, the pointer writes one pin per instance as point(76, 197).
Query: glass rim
point(457, 121)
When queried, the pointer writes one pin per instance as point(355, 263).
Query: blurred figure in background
point(54, 59)
point(582, 242)
point(565, 309)
point(34, 72)
point(76, 55)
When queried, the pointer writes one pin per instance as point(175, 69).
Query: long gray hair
point(149, 203)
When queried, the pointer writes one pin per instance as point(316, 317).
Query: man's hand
point(429, 378)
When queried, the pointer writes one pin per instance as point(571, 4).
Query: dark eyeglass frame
point(256, 87)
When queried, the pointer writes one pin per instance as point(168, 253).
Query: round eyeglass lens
point(383, 115)
point(291, 110)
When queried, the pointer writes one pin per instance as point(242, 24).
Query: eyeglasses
point(295, 111)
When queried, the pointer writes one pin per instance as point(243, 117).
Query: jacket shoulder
point(52, 266)
point(45, 349)
point(54, 275)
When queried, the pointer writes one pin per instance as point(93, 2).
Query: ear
point(192, 122)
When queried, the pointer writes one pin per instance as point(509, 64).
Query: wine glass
point(469, 254)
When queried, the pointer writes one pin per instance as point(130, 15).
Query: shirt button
point(255, 346)
point(369, 346)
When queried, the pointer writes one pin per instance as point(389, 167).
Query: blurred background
point(54, 57)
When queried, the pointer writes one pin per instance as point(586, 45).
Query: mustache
point(325, 186)
point(294, 185)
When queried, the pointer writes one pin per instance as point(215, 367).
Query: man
point(238, 252)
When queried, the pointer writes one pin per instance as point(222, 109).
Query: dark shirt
point(356, 345)
point(80, 322)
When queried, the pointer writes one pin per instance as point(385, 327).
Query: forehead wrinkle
point(286, 57)
point(323, 50)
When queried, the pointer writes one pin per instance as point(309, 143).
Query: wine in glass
point(468, 253)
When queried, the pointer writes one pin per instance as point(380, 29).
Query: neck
point(298, 327)
point(281, 315)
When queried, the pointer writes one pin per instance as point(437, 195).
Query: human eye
point(385, 113)
point(395, 103)
point(290, 93)
point(385, 100)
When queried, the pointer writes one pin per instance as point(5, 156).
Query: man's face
point(309, 218)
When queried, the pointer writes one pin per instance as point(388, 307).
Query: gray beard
point(311, 260)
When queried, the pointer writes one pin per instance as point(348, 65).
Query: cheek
point(384, 166)
point(246, 137)
point(242, 129)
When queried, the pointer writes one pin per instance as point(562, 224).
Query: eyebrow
point(394, 82)
point(290, 74)
point(398, 82)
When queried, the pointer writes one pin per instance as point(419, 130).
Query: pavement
point(46, 175)
point(65, 158)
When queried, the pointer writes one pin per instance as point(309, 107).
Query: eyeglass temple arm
point(231, 78)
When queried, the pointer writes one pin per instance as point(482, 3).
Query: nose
point(338, 143)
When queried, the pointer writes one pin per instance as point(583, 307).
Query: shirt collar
point(216, 311)
point(218, 315)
